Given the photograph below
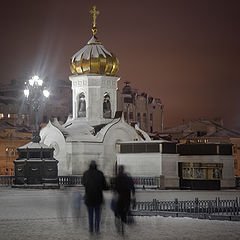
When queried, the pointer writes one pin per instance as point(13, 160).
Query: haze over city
point(186, 52)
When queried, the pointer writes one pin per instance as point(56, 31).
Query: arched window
point(81, 105)
point(106, 106)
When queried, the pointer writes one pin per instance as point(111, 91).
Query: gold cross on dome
point(94, 12)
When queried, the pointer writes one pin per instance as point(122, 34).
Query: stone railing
point(70, 180)
point(139, 182)
point(146, 182)
point(6, 180)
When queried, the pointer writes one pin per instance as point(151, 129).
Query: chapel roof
point(94, 57)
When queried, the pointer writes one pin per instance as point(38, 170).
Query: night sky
point(185, 52)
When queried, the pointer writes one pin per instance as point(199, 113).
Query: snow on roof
point(147, 141)
point(189, 133)
point(33, 145)
point(92, 49)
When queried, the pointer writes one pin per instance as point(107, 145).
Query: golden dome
point(94, 58)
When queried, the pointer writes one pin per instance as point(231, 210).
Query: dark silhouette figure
point(124, 187)
point(94, 183)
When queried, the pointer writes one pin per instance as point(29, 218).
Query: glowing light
point(40, 82)
point(35, 78)
point(26, 92)
point(31, 81)
point(46, 93)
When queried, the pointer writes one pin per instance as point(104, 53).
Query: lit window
point(7, 151)
point(1, 115)
point(9, 115)
point(23, 116)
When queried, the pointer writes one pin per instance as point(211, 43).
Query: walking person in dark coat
point(125, 190)
point(94, 183)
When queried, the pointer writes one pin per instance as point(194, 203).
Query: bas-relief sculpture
point(107, 106)
point(81, 105)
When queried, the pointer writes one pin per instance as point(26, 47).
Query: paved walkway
point(50, 214)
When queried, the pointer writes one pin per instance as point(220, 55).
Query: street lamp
point(36, 93)
point(36, 165)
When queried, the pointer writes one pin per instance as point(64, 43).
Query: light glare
point(40, 82)
point(46, 93)
point(31, 81)
point(35, 78)
point(26, 92)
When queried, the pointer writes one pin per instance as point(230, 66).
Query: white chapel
point(94, 130)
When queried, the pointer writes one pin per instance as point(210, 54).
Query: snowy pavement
point(48, 214)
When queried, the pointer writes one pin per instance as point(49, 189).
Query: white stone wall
point(119, 132)
point(80, 155)
point(141, 164)
point(159, 165)
point(51, 136)
point(94, 86)
point(102, 150)
point(170, 170)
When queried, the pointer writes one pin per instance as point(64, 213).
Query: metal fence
point(211, 209)
point(206, 209)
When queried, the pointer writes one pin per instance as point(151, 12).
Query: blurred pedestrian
point(77, 198)
point(94, 183)
point(63, 205)
point(124, 187)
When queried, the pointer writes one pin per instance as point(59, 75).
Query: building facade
point(141, 109)
point(11, 137)
point(180, 165)
point(15, 109)
point(208, 131)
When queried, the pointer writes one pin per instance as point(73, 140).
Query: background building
point(12, 107)
point(182, 165)
point(16, 110)
point(208, 131)
point(141, 109)
point(11, 137)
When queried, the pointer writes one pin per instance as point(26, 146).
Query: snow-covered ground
point(47, 214)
